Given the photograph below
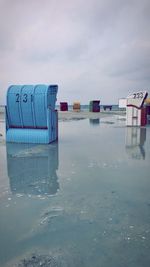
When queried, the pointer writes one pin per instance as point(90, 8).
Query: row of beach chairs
point(94, 106)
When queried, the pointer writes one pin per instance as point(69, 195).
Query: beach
point(71, 197)
point(82, 114)
point(70, 115)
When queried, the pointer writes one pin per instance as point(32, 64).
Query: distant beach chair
point(105, 107)
point(76, 106)
point(63, 106)
point(94, 106)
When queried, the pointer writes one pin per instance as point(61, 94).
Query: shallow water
point(83, 201)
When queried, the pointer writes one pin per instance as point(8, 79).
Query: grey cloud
point(103, 45)
point(133, 62)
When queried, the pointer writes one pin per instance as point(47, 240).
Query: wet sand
point(70, 115)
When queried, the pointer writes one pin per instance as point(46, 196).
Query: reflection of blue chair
point(32, 169)
point(30, 114)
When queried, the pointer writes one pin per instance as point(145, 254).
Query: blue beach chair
point(30, 114)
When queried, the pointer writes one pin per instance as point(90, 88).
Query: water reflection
point(94, 121)
point(32, 168)
point(148, 119)
point(135, 139)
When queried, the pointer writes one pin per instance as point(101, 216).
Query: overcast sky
point(93, 49)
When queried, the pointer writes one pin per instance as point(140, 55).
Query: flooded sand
point(83, 201)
